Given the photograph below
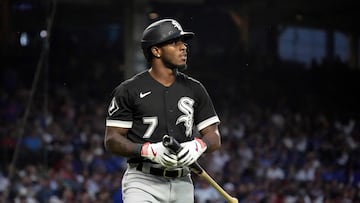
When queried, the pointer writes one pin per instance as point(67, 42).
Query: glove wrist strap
point(203, 143)
point(144, 149)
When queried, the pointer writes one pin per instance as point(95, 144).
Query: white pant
point(139, 187)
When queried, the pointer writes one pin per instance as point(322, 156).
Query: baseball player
point(156, 102)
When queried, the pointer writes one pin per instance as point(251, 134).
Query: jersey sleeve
point(205, 114)
point(120, 110)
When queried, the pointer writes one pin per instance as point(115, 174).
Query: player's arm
point(211, 137)
point(116, 142)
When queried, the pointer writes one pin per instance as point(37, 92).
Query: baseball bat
point(174, 145)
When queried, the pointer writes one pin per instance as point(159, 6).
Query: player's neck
point(165, 76)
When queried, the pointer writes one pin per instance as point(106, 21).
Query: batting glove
point(190, 152)
point(156, 152)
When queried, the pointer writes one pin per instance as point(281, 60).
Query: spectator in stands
point(24, 197)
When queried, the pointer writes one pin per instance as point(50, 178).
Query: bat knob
point(171, 143)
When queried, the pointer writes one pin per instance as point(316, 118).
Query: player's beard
point(172, 66)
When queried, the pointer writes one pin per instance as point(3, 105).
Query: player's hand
point(190, 152)
point(158, 153)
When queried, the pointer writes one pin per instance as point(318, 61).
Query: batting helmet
point(162, 31)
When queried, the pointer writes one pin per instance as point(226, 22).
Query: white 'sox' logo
point(185, 105)
point(177, 25)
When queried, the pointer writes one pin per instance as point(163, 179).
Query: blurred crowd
point(269, 154)
point(281, 156)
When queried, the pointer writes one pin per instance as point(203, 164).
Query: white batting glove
point(156, 152)
point(190, 152)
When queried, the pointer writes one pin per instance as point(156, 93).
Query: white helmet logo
point(176, 25)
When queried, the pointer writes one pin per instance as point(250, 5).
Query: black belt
point(177, 173)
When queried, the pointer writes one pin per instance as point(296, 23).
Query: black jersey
point(150, 110)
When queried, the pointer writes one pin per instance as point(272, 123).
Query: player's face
point(174, 54)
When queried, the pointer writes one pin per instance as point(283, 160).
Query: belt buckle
point(178, 173)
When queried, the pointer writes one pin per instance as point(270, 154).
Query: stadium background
point(283, 75)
